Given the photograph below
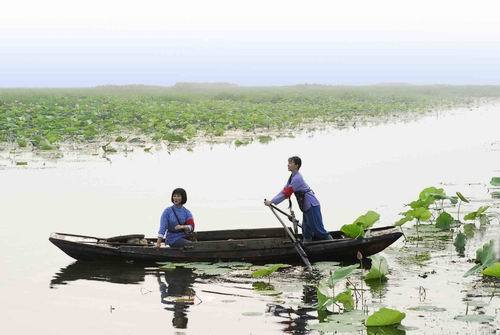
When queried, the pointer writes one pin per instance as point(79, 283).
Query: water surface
point(351, 170)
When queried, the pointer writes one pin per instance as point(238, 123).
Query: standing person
point(176, 221)
point(312, 222)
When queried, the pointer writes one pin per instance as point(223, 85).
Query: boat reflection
point(175, 286)
point(117, 273)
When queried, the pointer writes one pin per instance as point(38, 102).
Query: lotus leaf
point(385, 317)
point(345, 298)
point(495, 181)
point(492, 270)
point(476, 214)
point(444, 221)
point(378, 269)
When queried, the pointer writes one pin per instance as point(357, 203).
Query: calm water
point(351, 170)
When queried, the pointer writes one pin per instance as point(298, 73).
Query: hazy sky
point(86, 43)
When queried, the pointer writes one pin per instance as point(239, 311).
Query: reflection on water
point(388, 330)
point(118, 273)
point(176, 291)
point(378, 289)
point(295, 320)
point(175, 286)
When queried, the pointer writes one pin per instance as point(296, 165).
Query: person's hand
point(158, 245)
point(187, 228)
point(267, 202)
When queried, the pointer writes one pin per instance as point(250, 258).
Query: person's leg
point(306, 229)
point(316, 223)
point(181, 243)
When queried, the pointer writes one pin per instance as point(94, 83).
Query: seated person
point(176, 222)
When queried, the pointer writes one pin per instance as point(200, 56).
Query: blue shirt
point(297, 184)
point(168, 221)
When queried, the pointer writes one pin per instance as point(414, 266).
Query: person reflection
point(177, 293)
point(295, 320)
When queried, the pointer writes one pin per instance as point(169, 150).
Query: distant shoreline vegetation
point(40, 118)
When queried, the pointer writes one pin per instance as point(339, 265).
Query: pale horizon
point(282, 43)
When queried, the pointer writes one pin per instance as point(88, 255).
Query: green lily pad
point(268, 270)
point(427, 308)
point(481, 318)
point(252, 313)
point(262, 286)
point(272, 293)
point(495, 195)
point(385, 317)
point(211, 271)
point(234, 265)
point(325, 266)
point(492, 270)
point(167, 266)
point(349, 322)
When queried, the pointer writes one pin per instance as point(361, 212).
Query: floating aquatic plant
point(492, 270)
point(385, 317)
point(266, 271)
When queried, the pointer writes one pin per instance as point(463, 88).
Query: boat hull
point(250, 245)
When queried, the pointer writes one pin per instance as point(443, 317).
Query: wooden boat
point(265, 245)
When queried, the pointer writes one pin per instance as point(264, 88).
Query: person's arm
point(163, 228)
point(189, 222)
point(188, 225)
point(285, 193)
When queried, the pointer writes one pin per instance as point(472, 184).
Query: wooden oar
point(296, 243)
point(290, 217)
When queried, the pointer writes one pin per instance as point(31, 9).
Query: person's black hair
point(182, 193)
point(296, 160)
